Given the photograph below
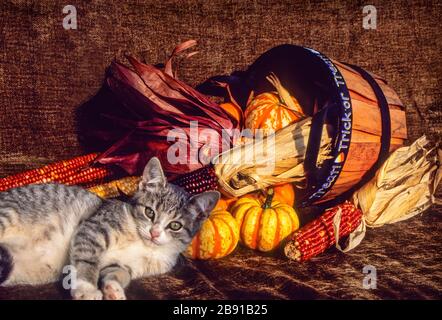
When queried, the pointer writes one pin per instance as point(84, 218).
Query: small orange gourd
point(233, 110)
point(271, 111)
point(224, 203)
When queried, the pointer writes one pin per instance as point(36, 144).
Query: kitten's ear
point(153, 176)
point(202, 204)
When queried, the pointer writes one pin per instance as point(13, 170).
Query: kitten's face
point(165, 214)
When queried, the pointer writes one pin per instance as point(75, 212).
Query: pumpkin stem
point(232, 100)
point(251, 97)
point(268, 202)
point(229, 93)
point(288, 101)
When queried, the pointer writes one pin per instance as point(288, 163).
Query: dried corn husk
point(275, 159)
point(403, 186)
point(155, 105)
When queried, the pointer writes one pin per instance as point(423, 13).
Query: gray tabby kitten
point(45, 227)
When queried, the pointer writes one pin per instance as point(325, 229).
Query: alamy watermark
point(370, 19)
point(371, 278)
point(195, 145)
point(70, 20)
point(70, 279)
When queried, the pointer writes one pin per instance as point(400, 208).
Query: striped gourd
point(264, 224)
point(271, 111)
point(217, 237)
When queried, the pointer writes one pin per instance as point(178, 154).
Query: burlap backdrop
point(46, 72)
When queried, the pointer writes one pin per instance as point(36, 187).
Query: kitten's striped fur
point(45, 227)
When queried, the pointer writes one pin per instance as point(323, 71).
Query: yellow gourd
point(218, 237)
point(264, 224)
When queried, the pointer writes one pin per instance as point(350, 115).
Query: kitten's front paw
point(113, 291)
point(86, 291)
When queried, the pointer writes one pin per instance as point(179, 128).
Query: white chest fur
point(143, 260)
point(37, 259)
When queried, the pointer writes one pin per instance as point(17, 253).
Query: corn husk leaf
point(277, 158)
point(403, 186)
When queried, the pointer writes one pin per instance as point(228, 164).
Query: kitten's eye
point(175, 225)
point(149, 213)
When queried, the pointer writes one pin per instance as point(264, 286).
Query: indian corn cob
point(318, 235)
point(112, 189)
point(72, 171)
point(194, 182)
point(200, 180)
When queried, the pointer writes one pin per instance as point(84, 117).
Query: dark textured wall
point(46, 72)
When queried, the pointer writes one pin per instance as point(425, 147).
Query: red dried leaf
point(156, 103)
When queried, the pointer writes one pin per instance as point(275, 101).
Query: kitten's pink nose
point(154, 233)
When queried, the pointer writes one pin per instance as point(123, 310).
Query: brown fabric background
point(46, 72)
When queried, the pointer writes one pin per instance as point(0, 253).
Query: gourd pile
point(263, 219)
point(259, 220)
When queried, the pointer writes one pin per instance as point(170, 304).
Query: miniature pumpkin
point(224, 203)
point(272, 111)
point(264, 224)
point(285, 193)
point(233, 110)
point(217, 237)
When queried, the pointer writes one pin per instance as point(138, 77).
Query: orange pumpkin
point(224, 203)
point(271, 111)
point(285, 193)
point(233, 110)
point(217, 237)
point(264, 224)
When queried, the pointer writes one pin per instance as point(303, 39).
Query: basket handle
point(314, 142)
